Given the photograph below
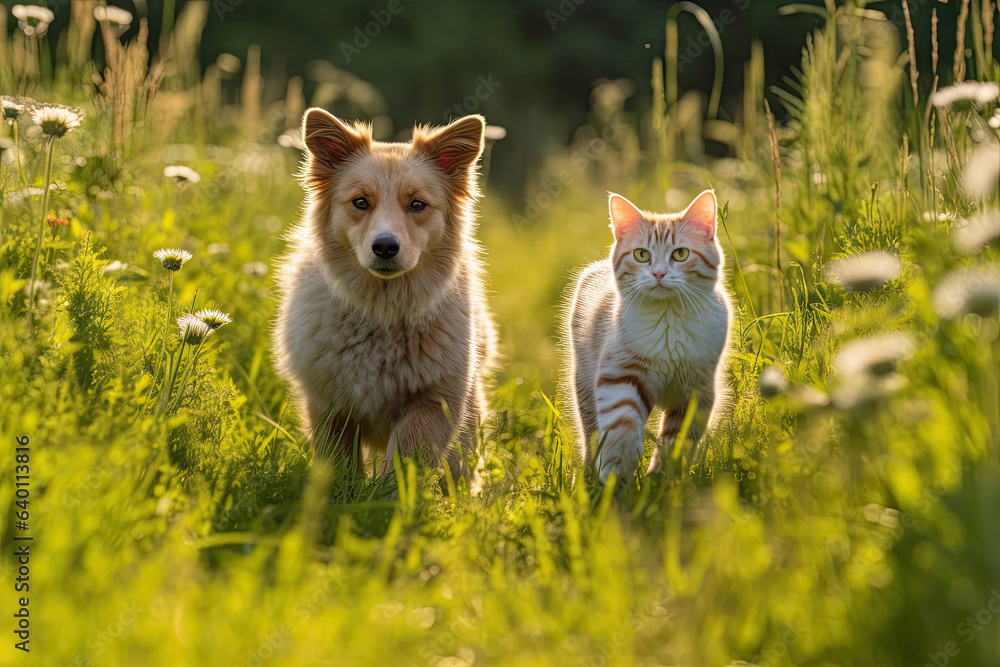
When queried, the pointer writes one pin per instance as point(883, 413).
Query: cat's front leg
point(623, 405)
point(670, 426)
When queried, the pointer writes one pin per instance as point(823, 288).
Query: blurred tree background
point(532, 70)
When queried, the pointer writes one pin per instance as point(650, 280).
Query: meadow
point(844, 514)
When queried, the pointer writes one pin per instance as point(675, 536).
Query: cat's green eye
point(681, 254)
point(641, 255)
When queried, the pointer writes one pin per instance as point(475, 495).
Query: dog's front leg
point(426, 423)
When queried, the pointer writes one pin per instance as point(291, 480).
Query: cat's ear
point(454, 147)
point(625, 217)
point(702, 213)
point(331, 141)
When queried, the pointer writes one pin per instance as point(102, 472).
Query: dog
point(383, 330)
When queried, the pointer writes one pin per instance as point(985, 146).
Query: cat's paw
point(623, 460)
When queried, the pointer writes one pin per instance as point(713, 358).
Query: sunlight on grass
point(177, 514)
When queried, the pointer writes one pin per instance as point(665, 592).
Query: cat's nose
point(659, 273)
point(385, 247)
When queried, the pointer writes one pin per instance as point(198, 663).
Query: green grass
point(847, 520)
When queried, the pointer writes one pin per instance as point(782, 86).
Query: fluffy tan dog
point(383, 329)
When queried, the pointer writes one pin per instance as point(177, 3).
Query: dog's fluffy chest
point(382, 365)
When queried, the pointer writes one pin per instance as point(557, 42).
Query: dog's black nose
point(385, 247)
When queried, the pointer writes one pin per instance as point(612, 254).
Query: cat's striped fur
point(647, 328)
point(383, 329)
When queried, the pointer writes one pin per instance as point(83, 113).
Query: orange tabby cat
point(647, 327)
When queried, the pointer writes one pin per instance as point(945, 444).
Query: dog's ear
point(455, 147)
point(331, 141)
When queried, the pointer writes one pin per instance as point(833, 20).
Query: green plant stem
point(187, 373)
point(41, 228)
point(20, 165)
point(166, 331)
point(168, 383)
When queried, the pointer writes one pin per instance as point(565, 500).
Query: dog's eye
point(360, 203)
point(417, 206)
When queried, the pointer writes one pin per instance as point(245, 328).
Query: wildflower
point(213, 318)
point(256, 269)
point(51, 219)
point(771, 382)
point(977, 92)
point(994, 120)
point(981, 171)
point(974, 291)
point(181, 174)
point(32, 19)
point(494, 133)
point(291, 139)
point(218, 249)
point(873, 357)
point(172, 259)
point(119, 18)
point(864, 271)
point(12, 108)
point(192, 330)
point(56, 119)
point(975, 234)
point(867, 368)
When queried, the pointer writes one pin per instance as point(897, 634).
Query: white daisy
point(181, 174)
point(977, 233)
point(866, 368)
point(213, 318)
point(874, 356)
point(32, 19)
point(11, 109)
point(192, 330)
point(771, 381)
point(967, 291)
point(172, 259)
point(977, 92)
point(864, 271)
point(981, 171)
point(256, 269)
point(115, 15)
point(56, 120)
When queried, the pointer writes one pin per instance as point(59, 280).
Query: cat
point(383, 330)
point(647, 327)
